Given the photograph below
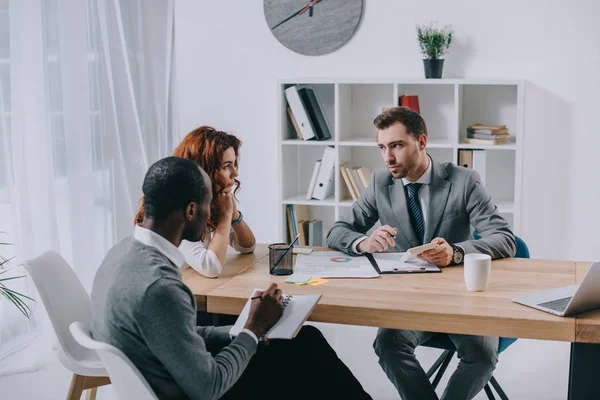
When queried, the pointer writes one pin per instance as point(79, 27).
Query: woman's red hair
point(206, 145)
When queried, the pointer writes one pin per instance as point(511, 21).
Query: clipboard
point(418, 269)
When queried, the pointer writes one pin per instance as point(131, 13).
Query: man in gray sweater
point(142, 307)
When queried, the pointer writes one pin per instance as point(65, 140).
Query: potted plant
point(434, 43)
point(16, 298)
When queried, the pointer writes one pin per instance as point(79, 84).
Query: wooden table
point(235, 264)
point(432, 302)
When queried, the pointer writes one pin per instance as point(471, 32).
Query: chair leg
point(437, 363)
point(438, 376)
point(76, 388)
point(80, 383)
point(499, 390)
point(91, 394)
point(488, 391)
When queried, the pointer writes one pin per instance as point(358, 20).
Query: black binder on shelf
point(315, 113)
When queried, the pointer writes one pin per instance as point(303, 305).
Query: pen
point(286, 251)
point(256, 297)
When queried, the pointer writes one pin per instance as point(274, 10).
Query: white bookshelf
point(448, 107)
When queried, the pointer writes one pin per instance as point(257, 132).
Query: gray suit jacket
point(457, 200)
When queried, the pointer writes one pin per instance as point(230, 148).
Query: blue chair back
point(443, 341)
point(522, 252)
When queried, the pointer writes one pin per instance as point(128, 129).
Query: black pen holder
point(281, 259)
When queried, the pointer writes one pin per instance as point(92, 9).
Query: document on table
point(395, 262)
point(334, 264)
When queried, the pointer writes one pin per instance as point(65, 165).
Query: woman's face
point(228, 169)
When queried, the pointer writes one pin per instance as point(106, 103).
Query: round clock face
point(313, 27)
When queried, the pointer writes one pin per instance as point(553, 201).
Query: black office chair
point(442, 341)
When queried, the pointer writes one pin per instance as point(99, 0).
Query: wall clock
point(313, 27)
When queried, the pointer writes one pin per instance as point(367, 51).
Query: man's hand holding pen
point(379, 240)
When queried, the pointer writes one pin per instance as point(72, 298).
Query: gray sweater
point(142, 307)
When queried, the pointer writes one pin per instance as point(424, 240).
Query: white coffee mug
point(478, 268)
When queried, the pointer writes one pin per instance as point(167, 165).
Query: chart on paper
point(334, 264)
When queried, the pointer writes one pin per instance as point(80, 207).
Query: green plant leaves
point(433, 41)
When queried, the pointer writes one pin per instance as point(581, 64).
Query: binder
point(290, 221)
point(315, 233)
point(294, 228)
point(465, 158)
point(315, 113)
point(303, 233)
point(300, 214)
point(344, 171)
point(300, 114)
point(479, 163)
point(411, 101)
point(293, 119)
point(324, 186)
point(313, 180)
point(365, 175)
point(354, 175)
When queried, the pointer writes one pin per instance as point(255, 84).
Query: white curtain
point(91, 106)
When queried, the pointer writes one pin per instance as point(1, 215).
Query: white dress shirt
point(423, 193)
point(168, 249)
point(205, 261)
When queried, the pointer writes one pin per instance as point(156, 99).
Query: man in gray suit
point(141, 306)
point(419, 200)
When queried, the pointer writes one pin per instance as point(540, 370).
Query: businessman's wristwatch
point(458, 255)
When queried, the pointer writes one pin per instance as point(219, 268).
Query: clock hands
point(312, 3)
point(309, 6)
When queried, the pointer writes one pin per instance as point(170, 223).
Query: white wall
point(228, 64)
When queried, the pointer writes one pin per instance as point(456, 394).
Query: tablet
point(415, 251)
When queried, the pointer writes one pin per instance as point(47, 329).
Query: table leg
point(584, 382)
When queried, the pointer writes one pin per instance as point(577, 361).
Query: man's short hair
point(414, 123)
point(171, 184)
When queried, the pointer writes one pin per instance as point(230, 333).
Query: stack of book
point(356, 179)
point(306, 113)
point(310, 232)
point(487, 134)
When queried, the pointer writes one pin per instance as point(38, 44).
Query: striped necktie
point(414, 206)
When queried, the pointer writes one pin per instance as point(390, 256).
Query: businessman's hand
point(379, 240)
point(441, 255)
point(265, 311)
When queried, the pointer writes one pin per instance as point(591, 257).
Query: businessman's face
point(400, 150)
point(198, 213)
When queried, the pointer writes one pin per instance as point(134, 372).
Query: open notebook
point(296, 310)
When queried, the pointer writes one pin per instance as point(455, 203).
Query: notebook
point(296, 310)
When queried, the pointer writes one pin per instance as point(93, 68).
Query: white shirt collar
point(424, 179)
point(153, 239)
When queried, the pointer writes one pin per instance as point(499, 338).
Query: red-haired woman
point(217, 153)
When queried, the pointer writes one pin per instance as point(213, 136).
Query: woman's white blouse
point(205, 261)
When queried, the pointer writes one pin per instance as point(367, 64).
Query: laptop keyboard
point(557, 305)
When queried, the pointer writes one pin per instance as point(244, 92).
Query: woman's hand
point(225, 205)
point(234, 214)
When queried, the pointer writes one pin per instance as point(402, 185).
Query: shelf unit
point(448, 107)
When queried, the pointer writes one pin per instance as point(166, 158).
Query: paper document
point(397, 262)
point(334, 264)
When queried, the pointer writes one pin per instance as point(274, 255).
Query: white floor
point(541, 375)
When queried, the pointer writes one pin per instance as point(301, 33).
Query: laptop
point(568, 300)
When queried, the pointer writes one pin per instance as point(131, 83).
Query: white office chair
point(67, 301)
point(127, 381)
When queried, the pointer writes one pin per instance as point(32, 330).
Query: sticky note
point(320, 281)
point(298, 278)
